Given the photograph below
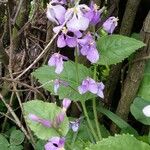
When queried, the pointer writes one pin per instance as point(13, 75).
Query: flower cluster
point(72, 26)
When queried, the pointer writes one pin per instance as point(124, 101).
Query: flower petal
point(93, 55)
point(61, 41)
point(71, 41)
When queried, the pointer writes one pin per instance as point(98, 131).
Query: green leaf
point(144, 90)
point(136, 110)
point(119, 142)
point(16, 147)
point(47, 111)
point(40, 145)
point(3, 142)
point(16, 137)
point(115, 48)
point(124, 126)
point(46, 75)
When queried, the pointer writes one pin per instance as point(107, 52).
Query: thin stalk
point(89, 122)
point(95, 110)
point(76, 62)
point(94, 99)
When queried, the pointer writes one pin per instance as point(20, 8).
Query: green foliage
point(144, 90)
point(124, 126)
point(16, 137)
point(47, 111)
point(3, 142)
point(15, 147)
point(40, 145)
point(46, 75)
point(119, 142)
point(115, 48)
point(136, 110)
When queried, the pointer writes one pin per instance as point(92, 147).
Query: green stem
point(83, 103)
point(76, 62)
point(88, 120)
point(95, 110)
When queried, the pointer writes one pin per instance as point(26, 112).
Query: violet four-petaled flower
point(55, 143)
point(93, 14)
point(110, 24)
point(88, 85)
point(56, 60)
point(76, 19)
point(66, 37)
point(56, 12)
point(42, 121)
point(88, 48)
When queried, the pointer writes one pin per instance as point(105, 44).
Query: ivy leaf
point(46, 111)
point(16, 137)
point(136, 110)
point(115, 48)
point(46, 76)
point(119, 142)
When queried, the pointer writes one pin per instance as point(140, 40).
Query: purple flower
point(74, 125)
point(88, 85)
point(77, 20)
point(59, 1)
point(66, 37)
point(42, 121)
point(93, 14)
point(66, 103)
point(56, 60)
point(55, 143)
point(57, 83)
point(101, 87)
point(56, 13)
point(88, 48)
point(58, 119)
point(110, 24)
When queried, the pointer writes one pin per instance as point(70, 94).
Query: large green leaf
point(144, 90)
point(124, 126)
point(115, 48)
point(47, 111)
point(119, 142)
point(136, 110)
point(16, 137)
point(46, 75)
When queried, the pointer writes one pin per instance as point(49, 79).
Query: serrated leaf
point(124, 126)
point(119, 142)
point(144, 90)
point(46, 75)
point(115, 48)
point(16, 137)
point(46, 111)
point(136, 110)
point(3, 142)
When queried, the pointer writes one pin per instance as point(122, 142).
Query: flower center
point(64, 30)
